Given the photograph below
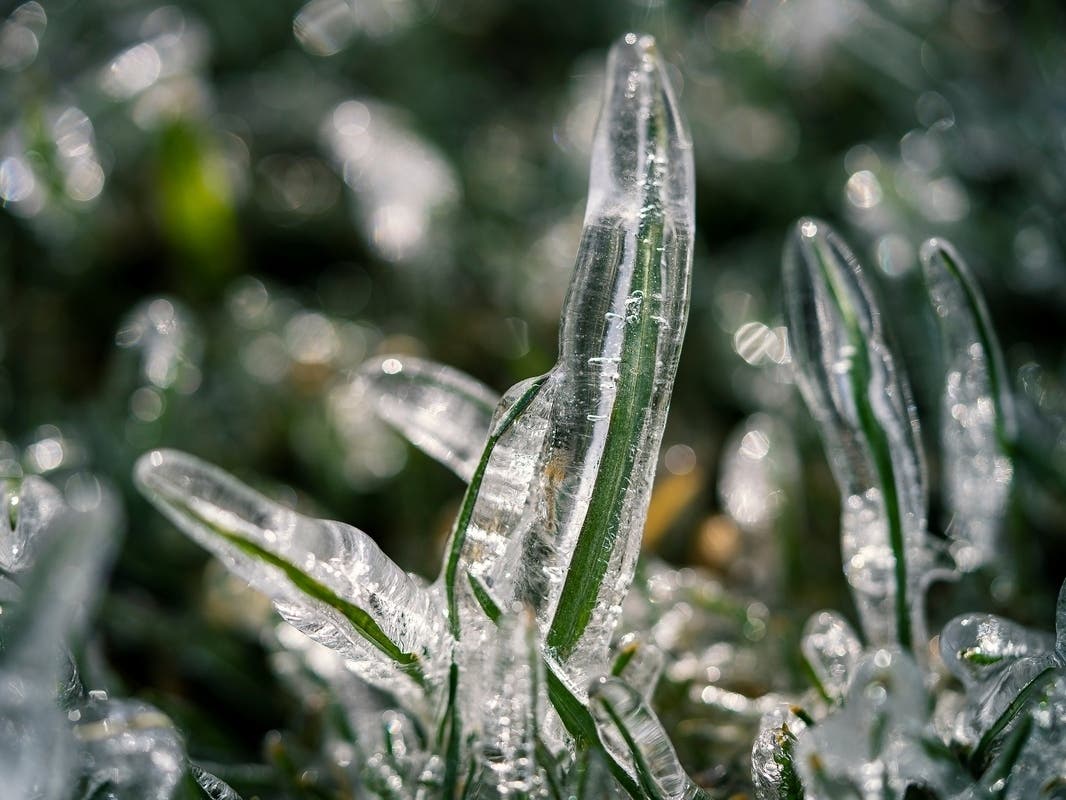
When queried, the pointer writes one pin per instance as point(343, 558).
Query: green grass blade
point(326, 578)
point(628, 726)
point(861, 402)
point(977, 413)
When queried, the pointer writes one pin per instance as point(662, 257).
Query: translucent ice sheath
point(863, 407)
point(553, 517)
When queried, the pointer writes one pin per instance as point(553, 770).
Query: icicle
point(439, 409)
point(977, 413)
point(862, 405)
point(327, 579)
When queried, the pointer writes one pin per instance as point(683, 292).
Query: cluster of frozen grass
point(527, 668)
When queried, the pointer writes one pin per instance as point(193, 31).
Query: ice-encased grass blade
point(631, 731)
point(830, 651)
point(554, 511)
point(438, 409)
point(327, 579)
point(864, 412)
point(977, 414)
point(1003, 666)
point(773, 768)
point(880, 742)
point(619, 345)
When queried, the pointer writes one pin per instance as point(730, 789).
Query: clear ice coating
point(864, 411)
point(773, 771)
point(556, 520)
point(327, 579)
point(544, 547)
point(129, 749)
point(998, 663)
point(880, 741)
point(977, 415)
point(438, 409)
point(29, 506)
point(632, 731)
point(831, 649)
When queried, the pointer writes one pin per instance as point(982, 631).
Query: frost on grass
point(544, 547)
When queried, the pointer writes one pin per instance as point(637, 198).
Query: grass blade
point(327, 579)
point(438, 409)
point(861, 402)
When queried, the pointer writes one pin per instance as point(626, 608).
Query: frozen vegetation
point(527, 668)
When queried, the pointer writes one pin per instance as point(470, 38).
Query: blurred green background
point(213, 211)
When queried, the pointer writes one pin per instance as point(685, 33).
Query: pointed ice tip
point(642, 151)
point(634, 50)
point(935, 248)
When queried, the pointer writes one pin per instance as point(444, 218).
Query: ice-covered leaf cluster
point(977, 712)
point(60, 740)
point(499, 674)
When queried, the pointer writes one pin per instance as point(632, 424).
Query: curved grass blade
point(977, 410)
point(327, 579)
point(862, 405)
point(438, 409)
point(630, 729)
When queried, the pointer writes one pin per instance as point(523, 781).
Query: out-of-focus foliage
point(212, 211)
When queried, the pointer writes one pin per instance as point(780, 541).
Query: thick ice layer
point(439, 409)
point(773, 772)
point(327, 579)
point(863, 408)
point(977, 414)
point(130, 748)
point(511, 710)
point(565, 542)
